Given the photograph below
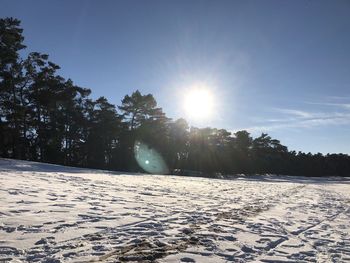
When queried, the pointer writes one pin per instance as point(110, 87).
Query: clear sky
point(281, 67)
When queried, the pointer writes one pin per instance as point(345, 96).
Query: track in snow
point(59, 214)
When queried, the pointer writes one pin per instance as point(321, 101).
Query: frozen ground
point(57, 214)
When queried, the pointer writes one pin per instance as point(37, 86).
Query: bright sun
point(199, 103)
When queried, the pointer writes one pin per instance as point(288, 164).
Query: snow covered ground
point(51, 213)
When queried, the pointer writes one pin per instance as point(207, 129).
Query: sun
point(199, 103)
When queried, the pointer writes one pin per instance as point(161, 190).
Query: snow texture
point(51, 213)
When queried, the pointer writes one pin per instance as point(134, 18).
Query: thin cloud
point(338, 98)
point(297, 113)
point(338, 105)
point(294, 118)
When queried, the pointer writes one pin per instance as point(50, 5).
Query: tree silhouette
point(45, 117)
point(11, 81)
point(138, 108)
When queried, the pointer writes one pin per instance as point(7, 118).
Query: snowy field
point(54, 214)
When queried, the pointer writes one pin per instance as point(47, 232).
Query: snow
point(51, 213)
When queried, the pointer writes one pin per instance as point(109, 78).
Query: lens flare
point(149, 159)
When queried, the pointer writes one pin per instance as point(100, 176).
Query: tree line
point(47, 118)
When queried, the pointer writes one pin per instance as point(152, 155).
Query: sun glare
point(199, 103)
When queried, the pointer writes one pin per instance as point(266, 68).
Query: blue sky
point(281, 67)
